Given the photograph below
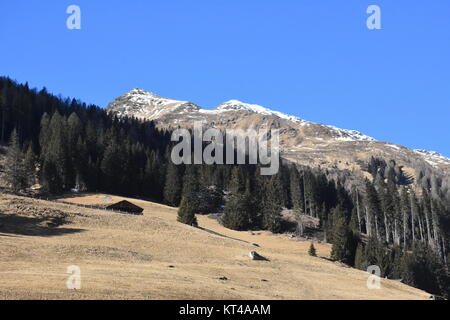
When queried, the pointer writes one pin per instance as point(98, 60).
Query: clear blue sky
point(315, 59)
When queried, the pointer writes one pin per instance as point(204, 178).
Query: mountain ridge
point(134, 96)
point(301, 141)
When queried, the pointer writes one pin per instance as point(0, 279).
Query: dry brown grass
point(130, 257)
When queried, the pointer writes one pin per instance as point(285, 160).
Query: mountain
point(301, 141)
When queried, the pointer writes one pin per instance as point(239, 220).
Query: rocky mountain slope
point(301, 141)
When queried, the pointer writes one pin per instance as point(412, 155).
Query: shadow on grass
point(11, 224)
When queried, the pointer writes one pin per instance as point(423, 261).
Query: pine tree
point(81, 165)
point(342, 245)
point(74, 129)
point(5, 109)
point(405, 206)
point(297, 199)
point(423, 269)
point(54, 155)
point(172, 188)
point(237, 184)
point(153, 177)
point(112, 167)
point(373, 210)
point(359, 256)
point(30, 165)
point(236, 213)
point(191, 184)
point(312, 250)
point(271, 205)
point(15, 171)
point(374, 254)
point(186, 211)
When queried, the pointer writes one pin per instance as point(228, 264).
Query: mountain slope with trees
point(389, 218)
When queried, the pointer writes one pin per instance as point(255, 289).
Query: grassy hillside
point(154, 257)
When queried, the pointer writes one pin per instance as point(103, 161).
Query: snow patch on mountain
point(236, 105)
point(341, 134)
point(432, 157)
point(350, 135)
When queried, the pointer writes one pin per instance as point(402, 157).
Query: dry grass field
point(154, 257)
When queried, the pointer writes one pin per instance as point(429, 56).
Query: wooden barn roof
point(126, 206)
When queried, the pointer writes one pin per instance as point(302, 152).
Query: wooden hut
point(126, 206)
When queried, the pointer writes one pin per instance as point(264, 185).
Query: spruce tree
point(312, 250)
point(359, 256)
point(54, 155)
point(191, 184)
point(186, 211)
point(237, 184)
point(30, 165)
point(373, 212)
point(405, 206)
point(112, 166)
point(236, 213)
point(297, 199)
point(5, 109)
point(271, 204)
point(342, 246)
point(172, 188)
point(15, 171)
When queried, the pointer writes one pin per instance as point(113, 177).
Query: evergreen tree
point(15, 171)
point(30, 165)
point(373, 211)
point(340, 236)
point(423, 269)
point(297, 200)
point(236, 213)
point(271, 210)
point(54, 156)
point(186, 211)
point(191, 184)
point(111, 165)
point(312, 250)
point(5, 109)
point(237, 181)
point(405, 207)
point(172, 188)
point(343, 247)
point(359, 256)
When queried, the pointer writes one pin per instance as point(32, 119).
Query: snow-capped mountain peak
point(145, 97)
point(147, 105)
point(302, 141)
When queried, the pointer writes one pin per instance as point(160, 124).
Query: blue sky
point(315, 59)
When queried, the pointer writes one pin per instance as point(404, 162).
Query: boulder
point(255, 256)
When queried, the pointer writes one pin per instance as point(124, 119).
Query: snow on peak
point(145, 97)
point(350, 135)
point(236, 105)
point(144, 104)
point(147, 105)
point(341, 134)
